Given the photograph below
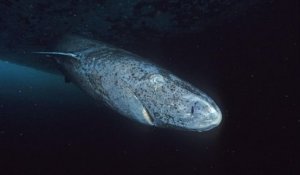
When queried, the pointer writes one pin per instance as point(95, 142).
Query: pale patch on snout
point(157, 81)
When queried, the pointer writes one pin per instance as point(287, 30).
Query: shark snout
point(214, 116)
point(203, 115)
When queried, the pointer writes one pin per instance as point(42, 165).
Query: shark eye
point(192, 110)
point(194, 107)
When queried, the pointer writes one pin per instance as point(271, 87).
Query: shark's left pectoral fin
point(62, 57)
point(73, 56)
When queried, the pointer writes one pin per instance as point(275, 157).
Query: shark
point(133, 86)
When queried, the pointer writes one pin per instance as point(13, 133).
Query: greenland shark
point(133, 86)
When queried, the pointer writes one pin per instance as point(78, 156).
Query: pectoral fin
point(74, 56)
point(128, 104)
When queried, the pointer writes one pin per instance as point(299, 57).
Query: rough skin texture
point(136, 88)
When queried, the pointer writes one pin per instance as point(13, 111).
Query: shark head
point(171, 102)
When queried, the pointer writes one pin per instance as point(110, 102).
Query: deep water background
point(246, 61)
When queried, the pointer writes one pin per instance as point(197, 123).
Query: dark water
point(247, 65)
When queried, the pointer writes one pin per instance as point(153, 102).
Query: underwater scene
point(148, 87)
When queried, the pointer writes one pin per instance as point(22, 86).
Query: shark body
point(134, 87)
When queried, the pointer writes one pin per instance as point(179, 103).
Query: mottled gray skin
point(134, 87)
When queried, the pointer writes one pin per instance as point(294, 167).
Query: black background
point(247, 65)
